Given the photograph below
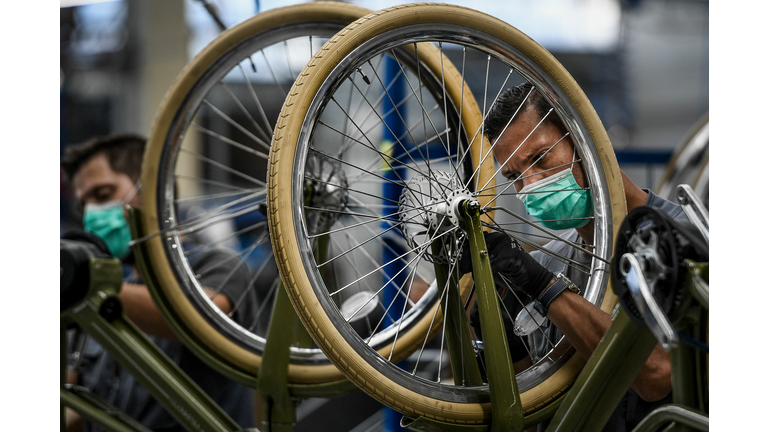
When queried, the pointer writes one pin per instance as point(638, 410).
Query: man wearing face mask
point(535, 152)
point(104, 175)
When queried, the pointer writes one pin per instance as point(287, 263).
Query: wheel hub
point(429, 208)
point(325, 191)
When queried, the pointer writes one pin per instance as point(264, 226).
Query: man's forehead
point(97, 173)
point(92, 170)
point(514, 146)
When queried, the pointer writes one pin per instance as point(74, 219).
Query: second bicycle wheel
point(689, 164)
point(372, 151)
point(204, 187)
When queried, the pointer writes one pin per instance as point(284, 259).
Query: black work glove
point(511, 262)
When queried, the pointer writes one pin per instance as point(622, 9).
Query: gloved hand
point(509, 260)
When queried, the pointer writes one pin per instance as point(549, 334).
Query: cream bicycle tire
point(224, 344)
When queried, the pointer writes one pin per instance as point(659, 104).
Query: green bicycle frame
point(100, 315)
point(605, 378)
point(618, 358)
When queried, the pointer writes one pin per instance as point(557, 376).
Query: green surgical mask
point(108, 223)
point(558, 197)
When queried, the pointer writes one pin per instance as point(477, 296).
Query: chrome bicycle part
point(529, 320)
point(326, 191)
point(660, 245)
point(423, 215)
point(694, 209)
point(642, 294)
point(689, 161)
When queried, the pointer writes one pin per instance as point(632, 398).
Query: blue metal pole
point(391, 192)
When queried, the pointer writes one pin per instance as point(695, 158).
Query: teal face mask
point(555, 198)
point(108, 223)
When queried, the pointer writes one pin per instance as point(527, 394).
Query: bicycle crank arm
point(641, 293)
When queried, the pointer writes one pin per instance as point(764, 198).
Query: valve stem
point(365, 78)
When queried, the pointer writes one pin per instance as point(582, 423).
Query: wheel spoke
point(538, 324)
point(264, 137)
point(480, 130)
point(270, 294)
point(523, 177)
point(225, 168)
point(239, 127)
point(380, 267)
point(552, 234)
point(272, 72)
point(208, 245)
point(251, 285)
point(534, 162)
point(214, 196)
point(203, 181)
point(256, 100)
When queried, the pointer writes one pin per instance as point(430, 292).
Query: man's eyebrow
point(534, 153)
point(95, 189)
point(528, 157)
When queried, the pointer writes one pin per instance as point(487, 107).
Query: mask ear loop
point(573, 160)
point(132, 193)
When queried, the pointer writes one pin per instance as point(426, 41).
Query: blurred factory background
point(644, 64)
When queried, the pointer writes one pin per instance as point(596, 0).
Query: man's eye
point(103, 194)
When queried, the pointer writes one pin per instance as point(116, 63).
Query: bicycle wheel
point(403, 159)
point(204, 184)
point(689, 162)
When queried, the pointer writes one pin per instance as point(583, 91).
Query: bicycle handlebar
point(74, 269)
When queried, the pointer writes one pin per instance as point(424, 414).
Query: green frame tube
point(605, 378)
point(100, 315)
point(279, 408)
point(463, 361)
point(673, 413)
point(93, 408)
point(698, 282)
point(506, 407)
point(622, 352)
point(689, 378)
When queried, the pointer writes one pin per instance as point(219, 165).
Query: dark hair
point(509, 101)
point(123, 151)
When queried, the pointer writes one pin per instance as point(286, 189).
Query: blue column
point(391, 192)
